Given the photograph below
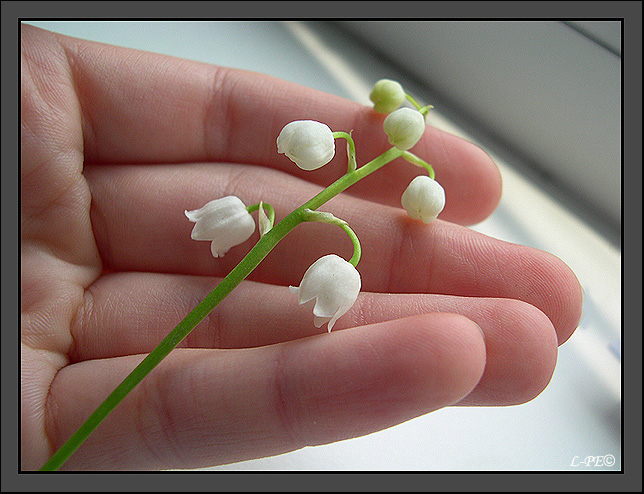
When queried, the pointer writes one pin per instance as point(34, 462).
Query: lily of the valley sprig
point(332, 282)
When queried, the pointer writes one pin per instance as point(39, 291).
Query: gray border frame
point(631, 477)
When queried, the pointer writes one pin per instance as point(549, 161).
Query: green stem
point(357, 250)
point(259, 251)
point(411, 99)
point(351, 149)
point(422, 109)
point(351, 178)
point(332, 220)
point(415, 160)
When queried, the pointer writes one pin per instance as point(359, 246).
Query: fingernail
point(481, 330)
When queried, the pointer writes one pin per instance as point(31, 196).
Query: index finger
point(145, 107)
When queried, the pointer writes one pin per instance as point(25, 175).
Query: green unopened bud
point(387, 96)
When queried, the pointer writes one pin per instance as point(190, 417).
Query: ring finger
point(129, 313)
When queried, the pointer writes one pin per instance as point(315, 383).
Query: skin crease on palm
point(117, 143)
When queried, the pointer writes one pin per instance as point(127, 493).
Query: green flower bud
point(387, 96)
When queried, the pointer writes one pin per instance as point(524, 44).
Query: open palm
point(117, 143)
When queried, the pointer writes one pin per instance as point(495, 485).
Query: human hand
point(117, 143)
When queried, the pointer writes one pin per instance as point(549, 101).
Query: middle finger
point(138, 219)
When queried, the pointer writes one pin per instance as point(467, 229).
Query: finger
point(54, 197)
point(140, 226)
point(144, 107)
point(129, 313)
point(205, 407)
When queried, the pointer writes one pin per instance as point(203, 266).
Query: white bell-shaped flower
point(404, 127)
point(334, 284)
point(387, 96)
point(423, 199)
point(309, 144)
point(225, 222)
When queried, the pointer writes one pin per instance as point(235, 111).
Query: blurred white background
point(543, 98)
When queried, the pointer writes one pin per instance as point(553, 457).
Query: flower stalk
point(311, 215)
point(415, 160)
point(351, 149)
point(424, 110)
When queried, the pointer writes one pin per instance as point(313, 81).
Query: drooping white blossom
point(309, 144)
point(334, 284)
point(225, 222)
point(423, 199)
point(387, 96)
point(404, 127)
